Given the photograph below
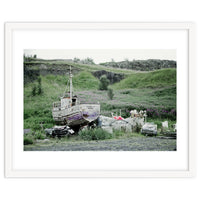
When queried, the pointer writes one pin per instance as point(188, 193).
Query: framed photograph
point(99, 99)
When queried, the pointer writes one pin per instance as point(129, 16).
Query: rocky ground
point(124, 144)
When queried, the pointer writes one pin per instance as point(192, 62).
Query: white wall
point(90, 10)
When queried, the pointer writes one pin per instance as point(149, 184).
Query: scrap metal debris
point(59, 131)
point(149, 129)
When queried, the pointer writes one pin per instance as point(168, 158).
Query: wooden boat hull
point(77, 115)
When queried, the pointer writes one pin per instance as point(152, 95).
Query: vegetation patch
point(39, 135)
point(28, 140)
point(104, 82)
point(85, 80)
point(110, 93)
point(155, 79)
point(94, 134)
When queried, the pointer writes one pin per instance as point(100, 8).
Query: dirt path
point(125, 144)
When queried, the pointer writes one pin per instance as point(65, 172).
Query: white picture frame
point(11, 31)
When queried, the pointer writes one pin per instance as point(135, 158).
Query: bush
point(118, 133)
point(110, 93)
point(37, 90)
point(34, 88)
point(104, 82)
point(39, 136)
point(95, 134)
point(28, 140)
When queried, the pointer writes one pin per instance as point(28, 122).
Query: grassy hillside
point(155, 79)
point(154, 91)
point(85, 80)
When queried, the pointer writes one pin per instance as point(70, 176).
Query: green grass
point(95, 134)
point(28, 140)
point(139, 90)
point(38, 109)
point(155, 79)
point(85, 81)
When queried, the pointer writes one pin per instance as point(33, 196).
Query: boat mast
point(71, 86)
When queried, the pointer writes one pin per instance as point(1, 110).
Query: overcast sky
point(104, 55)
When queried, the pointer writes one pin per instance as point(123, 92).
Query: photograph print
point(100, 100)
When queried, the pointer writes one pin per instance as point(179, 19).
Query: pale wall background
point(91, 10)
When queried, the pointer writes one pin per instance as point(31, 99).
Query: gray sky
point(104, 55)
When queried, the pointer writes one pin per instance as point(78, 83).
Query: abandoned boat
point(69, 111)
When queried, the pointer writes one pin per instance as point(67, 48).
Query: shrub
point(37, 90)
point(110, 93)
point(39, 136)
point(39, 86)
point(88, 61)
point(76, 60)
point(28, 140)
point(118, 133)
point(104, 82)
point(95, 134)
point(34, 88)
point(126, 92)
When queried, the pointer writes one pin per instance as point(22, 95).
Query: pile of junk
point(130, 124)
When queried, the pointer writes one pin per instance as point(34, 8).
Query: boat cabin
point(66, 102)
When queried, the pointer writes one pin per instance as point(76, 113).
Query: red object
point(118, 118)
